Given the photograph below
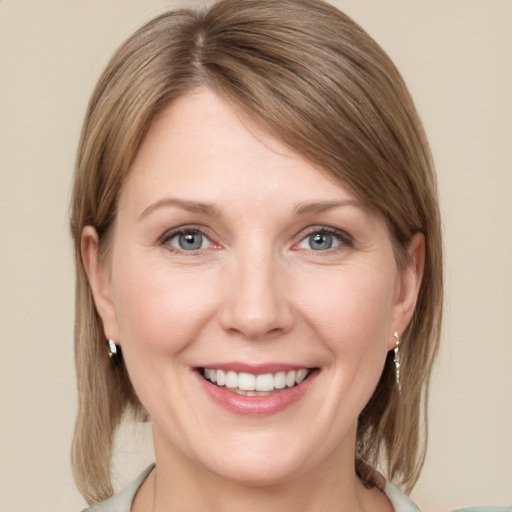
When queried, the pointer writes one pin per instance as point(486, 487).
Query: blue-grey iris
point(190, 241)
point(320, 241)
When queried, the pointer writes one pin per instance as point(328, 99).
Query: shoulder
point(485, 509)
point(402, 503)
point(122, 501)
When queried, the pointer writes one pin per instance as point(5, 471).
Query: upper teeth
point(250, 382)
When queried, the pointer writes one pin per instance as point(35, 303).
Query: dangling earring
point(112, 348)
point(397, 361)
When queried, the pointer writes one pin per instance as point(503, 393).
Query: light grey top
point(122, 501)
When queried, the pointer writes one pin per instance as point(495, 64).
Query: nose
point(256, 304)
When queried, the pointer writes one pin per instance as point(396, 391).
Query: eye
point(188, 240)
point(323, 240)
point(319, 241)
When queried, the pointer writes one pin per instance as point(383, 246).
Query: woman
point(259, 265)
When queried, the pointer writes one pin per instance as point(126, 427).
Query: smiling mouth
point(249, 384)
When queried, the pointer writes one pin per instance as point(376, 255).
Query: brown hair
point(319, 83)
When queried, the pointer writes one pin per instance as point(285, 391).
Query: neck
point(179, 484)
point(216, 495)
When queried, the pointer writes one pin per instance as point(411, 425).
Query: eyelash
point(169, 235)
point(345, 239)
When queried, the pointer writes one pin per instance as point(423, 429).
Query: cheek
point(351, 311)
point(160, 309)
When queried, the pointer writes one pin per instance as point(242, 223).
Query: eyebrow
point(310, 207)
point(191, 206)
point(302, 209)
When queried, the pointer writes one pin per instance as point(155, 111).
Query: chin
point(260, 474)
point(259, 462)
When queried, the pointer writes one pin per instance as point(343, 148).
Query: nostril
point(256, 304)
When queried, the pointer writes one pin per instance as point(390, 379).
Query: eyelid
point(187, 228)
point(345, 238)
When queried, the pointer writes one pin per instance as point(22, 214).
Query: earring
point(397, 361)
point(112, 348)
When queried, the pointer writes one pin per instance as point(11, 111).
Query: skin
point(255, 292)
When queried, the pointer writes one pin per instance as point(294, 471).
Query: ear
point(409, 285)
point(99, 281)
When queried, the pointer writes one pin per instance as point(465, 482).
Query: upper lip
point(255, 369)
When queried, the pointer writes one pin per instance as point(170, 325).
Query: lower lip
point(256, 405)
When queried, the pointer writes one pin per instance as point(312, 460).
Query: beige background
point(457, 58)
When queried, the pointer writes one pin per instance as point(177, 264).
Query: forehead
point(201, 147)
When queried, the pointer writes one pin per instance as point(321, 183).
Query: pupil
point(320, 241)
point(191, 241)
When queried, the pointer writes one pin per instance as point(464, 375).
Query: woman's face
point(235, 260)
